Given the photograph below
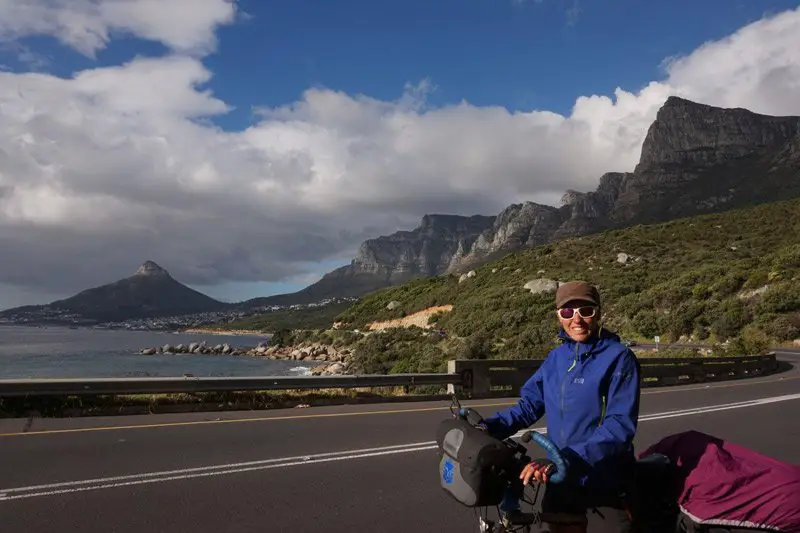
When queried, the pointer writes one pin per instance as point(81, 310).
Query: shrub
point(683, 279)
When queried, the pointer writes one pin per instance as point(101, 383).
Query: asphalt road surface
point(328, 469)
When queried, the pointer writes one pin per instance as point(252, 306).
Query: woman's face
point(579, 319)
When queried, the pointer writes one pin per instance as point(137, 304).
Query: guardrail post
point(475, 379)
point(466, 372)
point(771, 362)
point(453, 367)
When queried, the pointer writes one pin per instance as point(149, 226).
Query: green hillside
point(734, 275)
point(302, 318)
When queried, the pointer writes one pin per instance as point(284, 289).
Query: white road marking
point(298, 459)
point(723, 407)
point(266, 464)
point(136, 479)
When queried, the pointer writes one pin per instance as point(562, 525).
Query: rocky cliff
point(517, 226)
point(695, 159)
point(425, 251)
point(393, 259)
point(698, 158)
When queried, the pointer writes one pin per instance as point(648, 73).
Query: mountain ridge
point(730, 280)
point(695, 159)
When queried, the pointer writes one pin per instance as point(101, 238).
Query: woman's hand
point(538, 469)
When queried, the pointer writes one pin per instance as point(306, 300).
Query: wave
point(302, 370)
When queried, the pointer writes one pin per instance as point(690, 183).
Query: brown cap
point(577, 290)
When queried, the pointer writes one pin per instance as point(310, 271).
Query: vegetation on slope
point(733, 276)
point(302, 318)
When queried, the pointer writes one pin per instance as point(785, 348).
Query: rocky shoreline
point(331, 361)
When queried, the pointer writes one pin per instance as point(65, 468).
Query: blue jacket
point(590, 393)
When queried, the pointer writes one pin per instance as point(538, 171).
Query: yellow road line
point(230, 421)
point(359, 413)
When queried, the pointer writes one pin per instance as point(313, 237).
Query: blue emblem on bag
point(448, 471)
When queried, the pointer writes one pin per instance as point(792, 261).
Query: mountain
point(393, 259)
point(729, 276)
point(695, 159)
point(698, 158)
point(150, 292)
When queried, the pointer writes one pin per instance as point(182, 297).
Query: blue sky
point(519, 55)
point(490, 52)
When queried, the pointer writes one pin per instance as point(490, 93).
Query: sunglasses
point(587, 311)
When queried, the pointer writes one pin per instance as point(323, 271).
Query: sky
point(248, 147)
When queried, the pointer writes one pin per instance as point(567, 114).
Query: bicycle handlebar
point(465, 412)
point(552, 452)
point(539, 438)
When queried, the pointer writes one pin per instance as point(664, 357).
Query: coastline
point(230, 332)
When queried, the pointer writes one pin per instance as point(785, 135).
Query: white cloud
point(115, 165)
point(88, 25)
point(573, 13)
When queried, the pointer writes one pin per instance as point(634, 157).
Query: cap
point(577, 290)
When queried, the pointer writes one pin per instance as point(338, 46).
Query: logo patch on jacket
point(623, 375)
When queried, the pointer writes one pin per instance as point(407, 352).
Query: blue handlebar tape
point(554, 454)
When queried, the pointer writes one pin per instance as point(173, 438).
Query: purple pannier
point(723, 484)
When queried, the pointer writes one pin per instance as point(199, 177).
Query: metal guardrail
point(481, 378)
point(83, 387)
point(472, 377)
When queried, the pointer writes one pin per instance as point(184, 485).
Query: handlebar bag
point(474, 467)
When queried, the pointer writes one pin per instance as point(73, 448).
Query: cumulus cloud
point(88, 25)
point(113, 166)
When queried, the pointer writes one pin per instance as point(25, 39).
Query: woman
point(589, 388)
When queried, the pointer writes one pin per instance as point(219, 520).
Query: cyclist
point(589, 388)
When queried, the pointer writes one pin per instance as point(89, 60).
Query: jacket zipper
point(563, 385)
point(602, 411)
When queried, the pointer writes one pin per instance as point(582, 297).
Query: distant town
point(47, 315)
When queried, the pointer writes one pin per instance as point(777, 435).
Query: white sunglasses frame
point(577, 313)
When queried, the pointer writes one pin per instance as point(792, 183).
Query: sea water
point(60, 352)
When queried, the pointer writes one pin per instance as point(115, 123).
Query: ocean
point(55, 352)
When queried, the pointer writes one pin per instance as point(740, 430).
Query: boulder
point(335, 368)
point(464, 277)
point(541, 285)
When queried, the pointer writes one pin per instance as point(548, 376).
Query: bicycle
point(505, 460)
point(479, 475)
point(477, 470)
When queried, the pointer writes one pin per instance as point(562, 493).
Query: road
point(332, 469)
